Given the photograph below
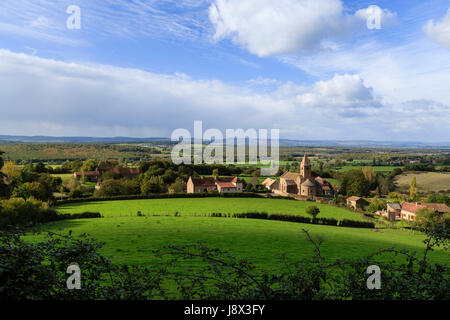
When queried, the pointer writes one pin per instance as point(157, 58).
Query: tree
point(153, 185)
point(354, 183)
point(313, 211)
point(89, 165)
point(413, 192)
point(31, 190)
point(13, 172)
point(215, 173)
point(428, 219)
point(4, 189)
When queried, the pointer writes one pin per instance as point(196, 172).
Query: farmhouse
point(356, 202)
point(303, 183)
point(220, 184)
point(271, 184)
point(393, 211)
point(409, 210)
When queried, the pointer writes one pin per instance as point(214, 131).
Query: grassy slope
point(131, 239)
point(206, 205)
point(426, 181)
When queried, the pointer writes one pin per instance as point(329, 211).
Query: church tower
point(305, 168)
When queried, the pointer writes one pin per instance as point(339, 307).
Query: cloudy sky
point(315, 69)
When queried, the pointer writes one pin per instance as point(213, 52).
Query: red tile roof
point(226, 184)
point(439, 207)
point(88, 173)
point(412, 207)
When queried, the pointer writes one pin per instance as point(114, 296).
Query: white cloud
point(439, 31)
point(40, 21)
point(46, 97)
point(266, 27)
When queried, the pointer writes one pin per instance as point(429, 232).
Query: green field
point(375, 168)
point(64, 176)
point(198, 206)
point(130, 239)
point(426, 181)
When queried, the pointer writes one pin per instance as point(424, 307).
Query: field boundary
point(173, 196)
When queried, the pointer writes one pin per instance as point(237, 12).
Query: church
point(303, 183)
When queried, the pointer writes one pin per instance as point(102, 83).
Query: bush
point(356, 224)
point(38, 272)
point(166, 196)
point(17, 211)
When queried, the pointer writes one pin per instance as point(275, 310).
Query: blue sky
point(311, 68)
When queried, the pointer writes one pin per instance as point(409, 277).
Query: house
point(303, 183)
point(439, 207)
point(393, 211)
point(220, 184)
point(271, 184)
point(356, 202)
point(409, 210)
point(91, 176)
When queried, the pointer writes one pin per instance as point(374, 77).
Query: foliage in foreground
point(38, 271)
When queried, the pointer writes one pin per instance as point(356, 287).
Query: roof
point(395, 206)
point(204, 181)
point(439, 207)
point(226, 184)
point(211, 181)
point(353, 198)
point(288, 175)
point(88, 173)
point(412, 207)
point(308, 183)
point(268, 182)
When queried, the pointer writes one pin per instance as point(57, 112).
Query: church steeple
point(305, 168)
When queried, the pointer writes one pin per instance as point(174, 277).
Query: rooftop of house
point(395, 206)
point(269, 182)
point(412, 207)
point(439, 207)
point(353, 198)
point(211, 181)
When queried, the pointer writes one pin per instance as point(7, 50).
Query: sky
point(315, 69)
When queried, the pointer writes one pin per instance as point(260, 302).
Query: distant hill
point(283, 142)
point(47, 139)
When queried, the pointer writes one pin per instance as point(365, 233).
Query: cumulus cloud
point(46, 97)
point(266, 27)
point(439, 31)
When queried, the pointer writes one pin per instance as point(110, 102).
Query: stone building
point(219, 184)
point(303, 183)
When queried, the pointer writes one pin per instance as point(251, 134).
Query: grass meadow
point(426, 181)
point(198, 206)
point(130, 239)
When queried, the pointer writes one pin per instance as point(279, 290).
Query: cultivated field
point(426, 181)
